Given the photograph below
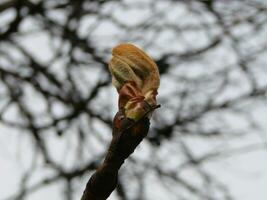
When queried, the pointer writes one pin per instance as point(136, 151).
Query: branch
point(127, 134)
point(6, 5)
point(136, 78)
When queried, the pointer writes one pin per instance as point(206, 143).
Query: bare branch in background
point(56, 96)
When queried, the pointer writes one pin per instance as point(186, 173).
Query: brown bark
point(127, 134)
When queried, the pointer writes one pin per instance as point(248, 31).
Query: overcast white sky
point(245, 173)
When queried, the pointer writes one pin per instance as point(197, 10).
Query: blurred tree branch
point(55, 92)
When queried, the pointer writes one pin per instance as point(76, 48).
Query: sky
point(244, 171)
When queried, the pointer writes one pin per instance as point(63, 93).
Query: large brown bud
point(136, 77)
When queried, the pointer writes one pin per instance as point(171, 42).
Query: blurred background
point(208, 141)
